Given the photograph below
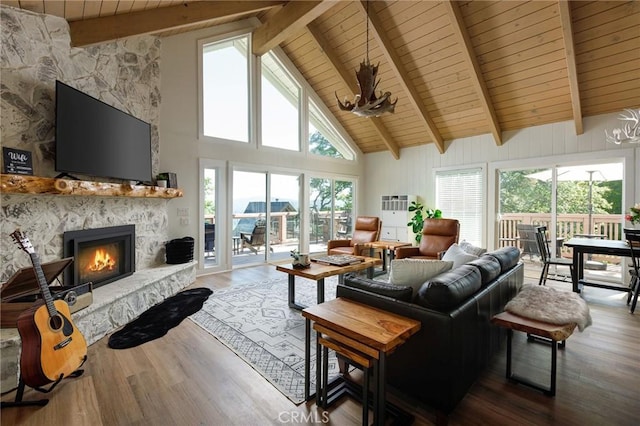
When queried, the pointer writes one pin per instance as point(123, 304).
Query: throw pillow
point(458, 256)
point(414, 272)
point(471, 249)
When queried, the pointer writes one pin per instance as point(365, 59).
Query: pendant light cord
point(367, 31)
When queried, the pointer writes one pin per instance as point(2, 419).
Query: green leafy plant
point(162, 176)
point(295, 254)
point(419, 215)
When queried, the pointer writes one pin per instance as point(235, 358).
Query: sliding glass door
point(264, 231)
point(331, 211)
point(571, 201)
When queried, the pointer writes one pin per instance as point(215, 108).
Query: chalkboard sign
point(17, 161)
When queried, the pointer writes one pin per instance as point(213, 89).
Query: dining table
point(582, 246)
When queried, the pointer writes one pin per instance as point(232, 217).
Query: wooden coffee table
point(318, 272)
point(361, 333)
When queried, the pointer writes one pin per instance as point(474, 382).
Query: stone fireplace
point(102, 255)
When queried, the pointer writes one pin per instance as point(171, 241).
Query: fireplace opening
point(101, 255)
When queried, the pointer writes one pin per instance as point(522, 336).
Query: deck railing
point(568, 225)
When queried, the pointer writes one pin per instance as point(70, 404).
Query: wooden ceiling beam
point(572, 73)
point(477, 79)
point(349, 81)
point(289, 21)
point(107, 28)
point(403, 77)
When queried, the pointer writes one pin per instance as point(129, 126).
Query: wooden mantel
point(20, 184)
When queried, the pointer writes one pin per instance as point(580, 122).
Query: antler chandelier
point(629, 132)
point(366, 104)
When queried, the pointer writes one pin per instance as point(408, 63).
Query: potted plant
point(161, 180)
point(299, 260)
point(417, 221)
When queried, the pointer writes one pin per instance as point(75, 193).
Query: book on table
point(338, 259)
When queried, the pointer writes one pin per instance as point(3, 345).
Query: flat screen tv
point(96, 139)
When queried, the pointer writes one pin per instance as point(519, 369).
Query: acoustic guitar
point(52, 346)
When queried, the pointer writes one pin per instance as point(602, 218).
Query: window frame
point(255, 132)
point(220, 38)
point(467, 169)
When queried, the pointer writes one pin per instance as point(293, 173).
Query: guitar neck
point(44, 286)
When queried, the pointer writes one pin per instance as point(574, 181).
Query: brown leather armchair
point(437, 236)
point(367, 230)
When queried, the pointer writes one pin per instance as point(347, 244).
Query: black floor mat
point(159, 319)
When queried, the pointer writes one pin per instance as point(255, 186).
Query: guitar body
point(51, 345)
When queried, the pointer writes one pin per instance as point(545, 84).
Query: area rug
point(156, 321)
point(255, 321)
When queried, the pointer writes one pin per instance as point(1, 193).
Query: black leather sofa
point(438, 365)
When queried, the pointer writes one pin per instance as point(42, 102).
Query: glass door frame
point(222, 248)
point(268, 172)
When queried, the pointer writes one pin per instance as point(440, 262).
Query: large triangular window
point(324, 139)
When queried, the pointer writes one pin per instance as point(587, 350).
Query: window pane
point(225, 90)
point(343, 209)
point(459, 195)
point(323, 138)
point(280, 100)
point(210, 258)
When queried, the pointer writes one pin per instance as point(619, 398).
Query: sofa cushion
point(399, 292)
point(507, 256)
point(450, 288)
point(471, 249)
point(414, 272)
point(489, 268)
point(458, 256)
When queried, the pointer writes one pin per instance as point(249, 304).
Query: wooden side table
point(388, 250)
point(365, 335)
point(553, 334)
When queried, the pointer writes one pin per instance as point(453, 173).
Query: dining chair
point(548, 260)
point(633, 238)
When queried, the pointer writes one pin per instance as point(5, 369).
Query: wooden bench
point(536, 330)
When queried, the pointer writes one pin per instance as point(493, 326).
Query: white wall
point(536, 146)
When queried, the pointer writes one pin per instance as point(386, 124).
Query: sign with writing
point(17, 161)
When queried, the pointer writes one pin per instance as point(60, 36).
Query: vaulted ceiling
point(458, 68)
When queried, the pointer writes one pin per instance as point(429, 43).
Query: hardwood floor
point(188, 378)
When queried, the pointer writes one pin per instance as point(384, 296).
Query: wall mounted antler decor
point(629, 132)
point(367, 104)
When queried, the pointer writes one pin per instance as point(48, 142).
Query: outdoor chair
point(437, 236)
point(367, 230)
point(548, 260)
point(528, 240)
point(633, 238)
point(256, 238)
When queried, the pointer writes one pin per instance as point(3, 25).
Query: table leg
point(319, 401)
point(325, 375)
point(320, 286)
point(380, 396)
point(577, 271)
point(292, 293)
point(307, 359)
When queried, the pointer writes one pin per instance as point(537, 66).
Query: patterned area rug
point(255, 321)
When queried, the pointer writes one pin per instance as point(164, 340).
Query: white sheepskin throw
point(549, 305)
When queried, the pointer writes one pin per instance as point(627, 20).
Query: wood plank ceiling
point(457, 68)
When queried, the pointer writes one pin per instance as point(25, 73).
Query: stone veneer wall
point(35, 51)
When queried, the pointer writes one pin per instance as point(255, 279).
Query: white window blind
point(459, 194)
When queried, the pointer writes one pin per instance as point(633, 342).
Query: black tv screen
point(96, 139)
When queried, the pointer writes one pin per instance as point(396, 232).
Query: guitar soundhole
point(56, 322)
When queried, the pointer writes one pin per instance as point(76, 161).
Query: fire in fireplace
point(101, 255)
